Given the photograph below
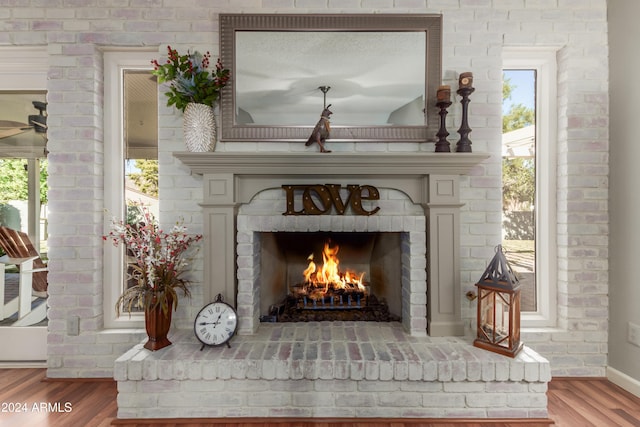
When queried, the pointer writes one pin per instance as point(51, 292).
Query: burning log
point(312, 296)
point(373, 311)
point(328, 275)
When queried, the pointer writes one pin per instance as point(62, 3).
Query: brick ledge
point(330, 350)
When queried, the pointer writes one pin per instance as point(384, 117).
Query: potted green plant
point(158, 264)
point(193, 89)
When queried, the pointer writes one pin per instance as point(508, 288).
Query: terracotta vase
point(158, 324)
point(199, 127)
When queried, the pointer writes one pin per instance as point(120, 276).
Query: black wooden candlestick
point(464, 144)
point(443, 146)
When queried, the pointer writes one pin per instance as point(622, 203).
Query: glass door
point(23, 205)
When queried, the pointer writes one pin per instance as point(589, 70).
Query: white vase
point(199, 127)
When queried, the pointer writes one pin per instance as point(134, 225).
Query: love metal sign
point(321, 199)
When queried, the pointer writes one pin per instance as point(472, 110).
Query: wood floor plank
point(600, 399)
point(571, 402)
point(624, 400)
point(48, 402)
point(571, 414)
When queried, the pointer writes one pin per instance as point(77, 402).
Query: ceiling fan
point(37, 122)
point(10, 128)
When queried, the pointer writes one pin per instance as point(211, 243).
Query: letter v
point(336, 198)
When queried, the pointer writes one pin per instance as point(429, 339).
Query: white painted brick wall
point(473, 35)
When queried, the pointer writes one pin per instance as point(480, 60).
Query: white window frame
point(543, 60)
point(115, 62)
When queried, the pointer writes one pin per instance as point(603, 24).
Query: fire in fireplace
point(343, 278)
point(327, 285)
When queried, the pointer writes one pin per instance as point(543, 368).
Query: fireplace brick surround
point(264, 214)
point(420, 368)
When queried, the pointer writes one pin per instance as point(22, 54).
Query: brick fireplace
point(398, 216)
point(420, 199)
point(421, 367)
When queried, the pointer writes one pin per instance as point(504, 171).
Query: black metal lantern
point(499, 308)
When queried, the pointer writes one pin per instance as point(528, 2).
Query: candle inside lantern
point(444, 93)
point(465, 80)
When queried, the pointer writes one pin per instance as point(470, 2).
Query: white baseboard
point(623, 380)
point(14, 365)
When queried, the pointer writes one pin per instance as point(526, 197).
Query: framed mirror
point(379, 73)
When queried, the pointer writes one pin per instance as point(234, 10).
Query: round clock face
point(216, 323)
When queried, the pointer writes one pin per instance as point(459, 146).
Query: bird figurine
point(321, 131)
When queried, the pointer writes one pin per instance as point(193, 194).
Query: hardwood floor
point(591, 402)
point(29, 399)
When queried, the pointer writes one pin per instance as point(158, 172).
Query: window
point(529, 178)
point(23, 164)
point(131, 161)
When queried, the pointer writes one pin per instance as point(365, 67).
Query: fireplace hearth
point(338, 369)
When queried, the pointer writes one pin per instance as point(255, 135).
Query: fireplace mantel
point(429, 179)
point(288, 163)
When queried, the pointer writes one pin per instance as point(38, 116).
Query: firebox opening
point(334, 264)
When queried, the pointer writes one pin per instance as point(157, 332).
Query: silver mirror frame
point(431, 24)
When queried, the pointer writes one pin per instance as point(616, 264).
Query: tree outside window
point(519, 178)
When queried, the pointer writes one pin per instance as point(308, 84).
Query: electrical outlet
point(73, 326)
point(633, 334)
